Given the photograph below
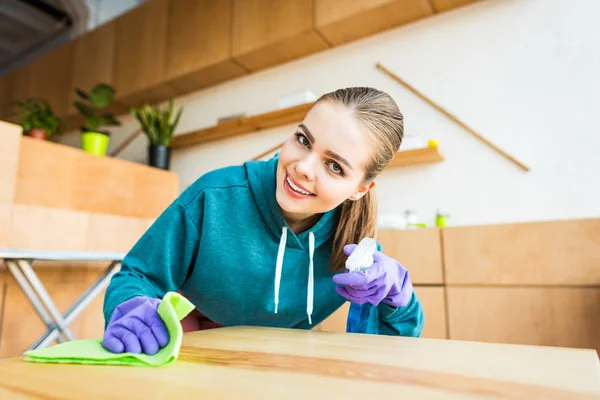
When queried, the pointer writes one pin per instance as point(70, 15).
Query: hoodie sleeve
point(161, 260)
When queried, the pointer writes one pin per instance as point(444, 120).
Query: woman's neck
point(300, 223)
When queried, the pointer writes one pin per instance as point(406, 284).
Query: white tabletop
point(52, 255)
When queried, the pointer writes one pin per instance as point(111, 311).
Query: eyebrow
point(328, 152)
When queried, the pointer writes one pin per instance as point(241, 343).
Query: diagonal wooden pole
point(452, 117)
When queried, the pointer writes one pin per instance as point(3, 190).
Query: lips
point(295, 188)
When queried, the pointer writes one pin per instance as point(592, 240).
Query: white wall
point(524, 73)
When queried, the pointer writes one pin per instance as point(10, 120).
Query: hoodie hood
point(262, 179)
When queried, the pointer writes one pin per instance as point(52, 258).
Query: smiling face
point(323, 163)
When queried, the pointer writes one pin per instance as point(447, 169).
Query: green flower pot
point(94, 143)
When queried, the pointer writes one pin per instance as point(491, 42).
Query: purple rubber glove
point(385, 281)
point(136, 327)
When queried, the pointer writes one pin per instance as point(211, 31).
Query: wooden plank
point(140, 54)
point(199, 44)
point(418, 250)
point(566, 317)
point(564, 252)
point(426, 155)
point(447, 5)
point(299, 364)
point(343, 21)
point(242, 125)
point(58, 176)
point(268, 33)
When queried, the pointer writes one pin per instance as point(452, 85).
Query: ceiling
point(30, 27)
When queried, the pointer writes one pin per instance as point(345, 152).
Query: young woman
point(266, 243)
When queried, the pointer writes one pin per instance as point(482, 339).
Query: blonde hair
point(382, 118)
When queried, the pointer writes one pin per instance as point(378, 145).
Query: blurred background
point(109, 109)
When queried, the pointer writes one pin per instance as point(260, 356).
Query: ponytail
point(379, 114)
point(358, 219)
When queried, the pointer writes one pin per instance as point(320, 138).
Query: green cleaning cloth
point(172, 309)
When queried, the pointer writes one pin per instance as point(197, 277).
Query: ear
point(362, 190)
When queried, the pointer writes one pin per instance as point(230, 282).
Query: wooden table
point(248, 363)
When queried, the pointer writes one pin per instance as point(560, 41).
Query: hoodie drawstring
point(311, 278)
point(279, 265)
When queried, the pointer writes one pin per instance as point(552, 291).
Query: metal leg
point(80, 304)
point(38, 286)
point(31, 295)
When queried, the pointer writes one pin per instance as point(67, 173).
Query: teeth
point(297, 189)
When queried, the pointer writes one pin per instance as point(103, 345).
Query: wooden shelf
point(242, 125)
point(425, 155)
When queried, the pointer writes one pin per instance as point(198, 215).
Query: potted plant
point(93, 106)
point(159, 129)
point(37, 119)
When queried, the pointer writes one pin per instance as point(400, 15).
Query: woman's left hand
point(385, 281)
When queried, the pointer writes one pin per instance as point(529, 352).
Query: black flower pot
point(159, 156)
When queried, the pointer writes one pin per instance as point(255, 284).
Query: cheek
point(334, 190)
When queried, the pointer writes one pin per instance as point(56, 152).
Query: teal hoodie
point(225, 245)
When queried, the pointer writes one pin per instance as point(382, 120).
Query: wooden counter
point(262, 363)
point(56, 197)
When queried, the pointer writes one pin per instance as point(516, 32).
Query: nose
point(305, 168)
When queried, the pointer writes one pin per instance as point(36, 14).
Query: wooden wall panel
point(526, 315)
point(432, 300)
point(446, 5)
point(268, 33)
point(43, 228)
point(5, 225)
point(114, 233)
point(94, 62)
point(553, 252)
point(418, 250)
point(140, 53)
point(9, 159)
point(21, 325)
point(58, 176)
point(342, 21)
point(200, 57)
point(51, 77)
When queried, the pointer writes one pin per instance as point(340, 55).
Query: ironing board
point(19, 265)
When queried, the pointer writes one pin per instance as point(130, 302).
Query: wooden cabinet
point(547, 316)
point(268, 33)
point(94, 62)
point(5, 96)
point(51, 77)
point(140, 53)
point(342, 21)
point(418, 250)
point(199, 44)
point(533, 253)
point(434, 309)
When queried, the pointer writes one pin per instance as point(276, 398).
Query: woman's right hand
point(136, 327)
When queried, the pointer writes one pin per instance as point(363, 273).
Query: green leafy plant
point(34, 113)
point(156, 123)
point(93, 106)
